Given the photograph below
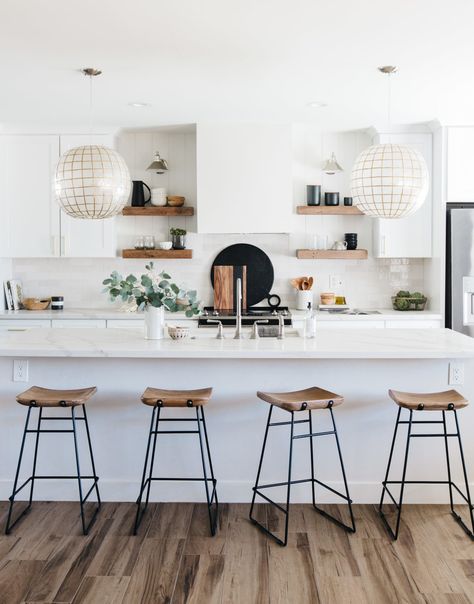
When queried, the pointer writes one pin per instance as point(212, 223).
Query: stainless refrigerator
point(460, 267)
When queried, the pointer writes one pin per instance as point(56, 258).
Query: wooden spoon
point(295, 283)
point(311, 281)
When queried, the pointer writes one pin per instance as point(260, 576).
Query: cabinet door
point(30, 215)
point(244, 182)
point(460, 184)
point(87, 238)
point(409, 237)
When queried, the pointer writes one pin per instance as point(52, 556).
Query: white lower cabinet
point(79, 323)
point(20, 324)
point(349, 324)
point(407, 324)
point(125, 323)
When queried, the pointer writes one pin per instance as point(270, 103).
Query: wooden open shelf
point(157, 253)
point(158, 211)
point(329, 210)
point(332, 254)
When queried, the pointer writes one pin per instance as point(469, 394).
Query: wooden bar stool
point(302, 400)
point(43, 398)
point(158, 399)
point(450, 400)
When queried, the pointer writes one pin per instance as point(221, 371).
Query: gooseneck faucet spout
point(238, 299)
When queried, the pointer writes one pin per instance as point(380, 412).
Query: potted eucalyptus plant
point(152, 293)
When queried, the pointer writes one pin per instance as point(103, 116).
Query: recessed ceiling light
point(317, 104)
point(137, 104)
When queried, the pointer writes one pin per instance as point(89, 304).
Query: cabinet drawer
point(12, 324)
point(125, 323)
point(84, 323)
point(350, 324)
point(416, 324)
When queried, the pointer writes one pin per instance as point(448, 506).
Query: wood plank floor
point(174, 560)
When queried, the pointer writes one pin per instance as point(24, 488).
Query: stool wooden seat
point(302, 400)
point(176, 398)
point(433, 401)
point(46, 397)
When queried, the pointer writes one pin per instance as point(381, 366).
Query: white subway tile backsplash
point(367, 283)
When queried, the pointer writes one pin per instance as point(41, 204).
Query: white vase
point(154, 322)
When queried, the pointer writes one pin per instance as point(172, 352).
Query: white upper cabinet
point(30, 216)
point(86, 238)
point(244, 178)
point(460, 144)
point(409, 237)
point(33, 225)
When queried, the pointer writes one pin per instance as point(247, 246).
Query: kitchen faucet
point(238, 318)
point(281, 327)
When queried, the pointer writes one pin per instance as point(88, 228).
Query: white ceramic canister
point(303, 298)
point(158, 196)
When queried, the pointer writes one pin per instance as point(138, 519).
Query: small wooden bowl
point(36, 303)
point(175, 201)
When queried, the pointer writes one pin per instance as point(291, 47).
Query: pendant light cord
point(90, 108)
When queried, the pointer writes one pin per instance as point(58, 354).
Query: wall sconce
point(158, 164)
point(331, 166)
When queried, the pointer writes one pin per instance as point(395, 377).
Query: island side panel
point(236, 420)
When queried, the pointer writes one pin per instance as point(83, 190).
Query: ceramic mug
point(340, 246)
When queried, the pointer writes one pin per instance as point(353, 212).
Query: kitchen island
point(360, 365)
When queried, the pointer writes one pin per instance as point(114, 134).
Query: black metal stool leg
point(288, 483)
point(213, 497)
point(153, 423)
point(35, 456)
point(351, 528)
point(206, 485)
point(270, 411)
point(82, 500)
point(448, 465)
point(311, 452)
point(394, 534)
point(9, 524)
point(89, 442)
point(466, 483)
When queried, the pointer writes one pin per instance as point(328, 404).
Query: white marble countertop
point(117, 314)
point(334, 344)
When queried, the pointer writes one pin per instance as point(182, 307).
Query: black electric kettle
point(138, 195)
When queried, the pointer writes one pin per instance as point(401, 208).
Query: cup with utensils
point(351, 240)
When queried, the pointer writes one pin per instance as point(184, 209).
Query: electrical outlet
point(335, 282)
point(456, 373)
point(20, 370)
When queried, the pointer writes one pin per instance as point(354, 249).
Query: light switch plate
point(456, 373)
point(20, 370)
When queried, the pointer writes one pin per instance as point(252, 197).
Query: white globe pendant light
point(92, 182)
point(389, 180)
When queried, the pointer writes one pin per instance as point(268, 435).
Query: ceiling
point(235, 60)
